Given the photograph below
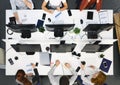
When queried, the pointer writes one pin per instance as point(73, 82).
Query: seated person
point(21, 78)
point(24, 79)
point(20, 4)
point(91, 75)
point(59, 79)
point(54, 5)
point(88, 3)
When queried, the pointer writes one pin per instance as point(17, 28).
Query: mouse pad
point(105, 65)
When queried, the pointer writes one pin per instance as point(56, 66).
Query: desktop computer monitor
point(25, 29)
point(28, 48)
point(61, 48)
point(58, 29)
point(94, 29)
point(92, 48)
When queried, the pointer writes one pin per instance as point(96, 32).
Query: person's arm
point(74, 73)
point(28, 3)
point(74, 76)
point(36, 72)
point(50, 73)
point(99, 5)
point(65, 6)
point(84, 4)
point(13, 6)
point(36, 77)
point(45, 8)
point(16, 17)
point(94, 68)
point(85, 79)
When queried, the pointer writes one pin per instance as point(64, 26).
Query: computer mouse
point(49, 19)
point(16, 58)
point(81, 21)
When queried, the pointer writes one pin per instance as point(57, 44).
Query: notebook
point(105, 65)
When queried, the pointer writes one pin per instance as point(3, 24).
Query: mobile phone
point(44, 16)
point(69, 12)
point(10, 61)
point(36, 64)
point(12, 20)
point(78, 68)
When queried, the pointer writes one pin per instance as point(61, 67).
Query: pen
point(57, 14)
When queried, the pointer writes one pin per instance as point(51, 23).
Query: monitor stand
point(26, 34)
point(92, 35)
point(58, 32)
point(30, 53)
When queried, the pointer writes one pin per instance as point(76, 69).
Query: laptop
point(45, 58)
point(90, 48)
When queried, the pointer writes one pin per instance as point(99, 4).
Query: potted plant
point(76, 30)
point(41, 29)
point(101, 55)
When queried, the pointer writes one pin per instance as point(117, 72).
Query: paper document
point(103, 16)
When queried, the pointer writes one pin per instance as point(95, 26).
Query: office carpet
point(107, 4)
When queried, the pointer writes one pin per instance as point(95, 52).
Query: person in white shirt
point(20, 4)
point(91, 75)
point(59, 79)
point(54, 4)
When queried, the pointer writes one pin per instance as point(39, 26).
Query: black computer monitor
point(28, 48)
point(94, 29)
point(25, 29)
point(62, 48)
point(58, 29)
point(92, 48)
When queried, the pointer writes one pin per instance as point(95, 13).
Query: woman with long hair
point(85, 4)
point(91, 75)
point(21, 78)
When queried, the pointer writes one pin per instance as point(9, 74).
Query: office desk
point(32, 16)
point(47, 38)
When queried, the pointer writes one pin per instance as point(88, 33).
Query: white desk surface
point(44, 39)
point(32, 16)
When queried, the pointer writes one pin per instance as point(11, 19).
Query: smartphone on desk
point(69, 12)
point(10, 61)
point(44, 16)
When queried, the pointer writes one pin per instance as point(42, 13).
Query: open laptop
point(90, 48)
point(45, 58)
